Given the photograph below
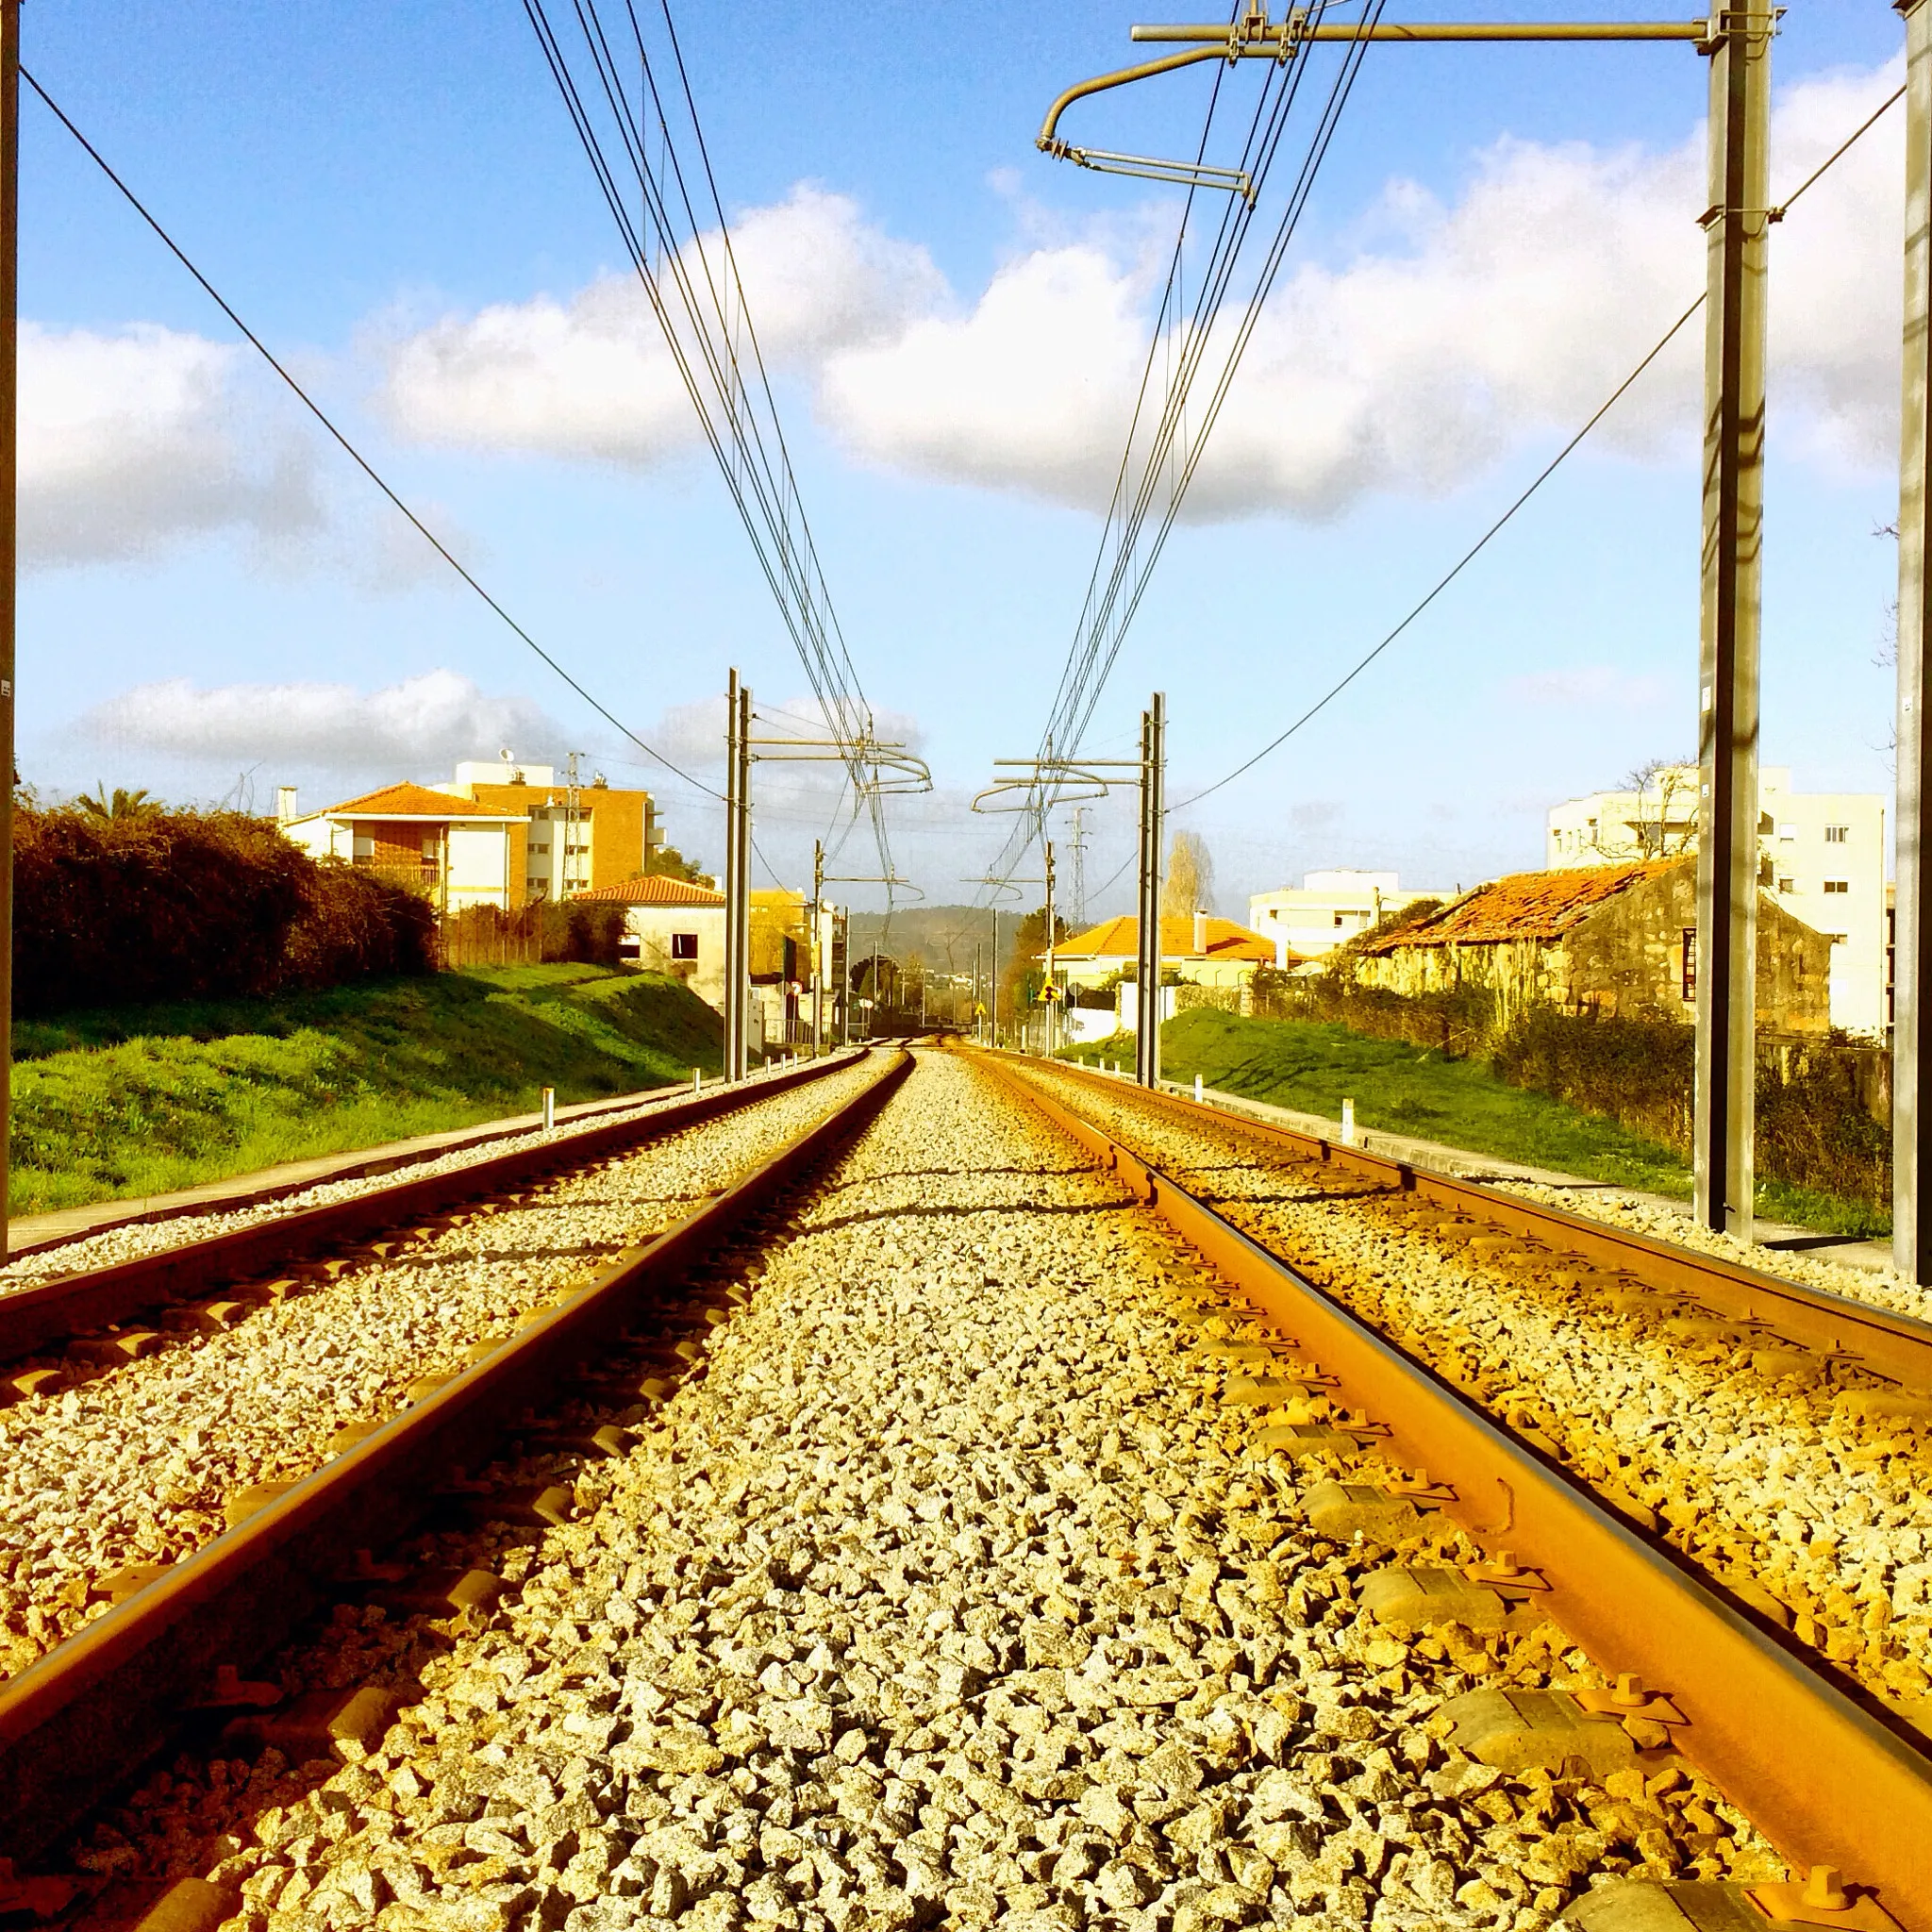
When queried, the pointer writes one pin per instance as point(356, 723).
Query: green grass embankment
point(136, 1101)
point(1312, 1066)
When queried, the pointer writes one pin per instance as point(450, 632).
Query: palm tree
point(122, 804)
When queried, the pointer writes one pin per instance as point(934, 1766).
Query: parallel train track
point(1835, 1778)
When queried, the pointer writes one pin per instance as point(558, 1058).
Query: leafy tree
point(1189, 886)
point(122, 804)
point(668, 862)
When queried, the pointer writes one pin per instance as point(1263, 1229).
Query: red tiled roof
point(653, 889)
point(1525, 905)
point(1120, 938)
point(414, 802)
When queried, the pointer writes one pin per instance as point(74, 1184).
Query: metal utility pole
point(1911, 1120)
point(992, 985)
point(737, 880)
point(819, 961)
point(1147, 936)
point(1051, 991)
point(1736, 223)
point(9, 324)
point(1079, 815)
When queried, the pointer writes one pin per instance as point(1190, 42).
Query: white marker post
point(550, 1109)
point(1348, 1123)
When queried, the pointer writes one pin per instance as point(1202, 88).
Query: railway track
point(962, 1579)
point(1658, 1607)
point(129, 1447)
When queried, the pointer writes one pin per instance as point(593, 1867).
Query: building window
point(1687, 968)
point(1838, 885)
point(1786, 831)
point(684, 946)
point(1837, 835)
point(1338, 922)
point(540, 851)
point(1787, 885)
point(1838, 938)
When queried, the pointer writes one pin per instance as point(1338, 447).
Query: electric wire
point(1105, 622)
point(701, 309)
point(1542, 477)
point(354, 454)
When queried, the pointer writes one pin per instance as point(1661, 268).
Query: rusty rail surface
point(1821, 1767)
point(98, 1705)
point(36, 1320)
point(1893, 1346)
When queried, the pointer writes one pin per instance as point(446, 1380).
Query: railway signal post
point(1147, 959)
point(1736, 223)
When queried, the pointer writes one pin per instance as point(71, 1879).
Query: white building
point(1822, 856)
point(454, 851)
point(1329, 909)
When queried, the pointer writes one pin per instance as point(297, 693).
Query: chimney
point(285, 804)
point(1281, 952)
point(1200, 933)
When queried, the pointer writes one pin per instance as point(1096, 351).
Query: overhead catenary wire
point(1543, 476)
point(354, 454)
point(1107, 616)
point(694, 291)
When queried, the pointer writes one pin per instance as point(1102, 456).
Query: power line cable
point(1542, 477)
point(355, 455)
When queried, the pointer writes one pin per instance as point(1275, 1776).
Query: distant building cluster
point(1608, 927)
point(508, 834)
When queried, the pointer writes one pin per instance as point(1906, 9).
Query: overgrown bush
point(186, 904)
point(574, 932)
point(1816, 1126)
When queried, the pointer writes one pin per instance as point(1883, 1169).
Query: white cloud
point(417, 729)
point(1512, 314)
point(591, 377)
point(128, 442)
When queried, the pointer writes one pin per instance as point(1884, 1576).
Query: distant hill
point(941, 935)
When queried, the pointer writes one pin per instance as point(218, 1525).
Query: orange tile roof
point(1524, 905)
point(414, 802)
point(1120, 938)
point(653, 889)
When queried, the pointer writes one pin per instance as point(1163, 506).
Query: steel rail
point(101, 1703)
point(1825, 1772)
point(39, 1320)
point(1893, 1346)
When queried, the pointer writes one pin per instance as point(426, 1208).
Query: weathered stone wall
point(1624, 960)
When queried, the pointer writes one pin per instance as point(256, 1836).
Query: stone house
point(1611, 940)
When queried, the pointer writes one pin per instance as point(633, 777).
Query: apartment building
point(1821, 856)
point(457, 852)
point(1328, 910)
point(579, 836)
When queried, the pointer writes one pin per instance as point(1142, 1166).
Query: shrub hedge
point(189, 905)
point(1815, 1123)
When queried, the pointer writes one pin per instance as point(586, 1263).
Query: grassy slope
point(1409, 1089)
point(144, 1100)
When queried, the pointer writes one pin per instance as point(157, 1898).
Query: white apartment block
point(1822, 856)
point(1329, 909)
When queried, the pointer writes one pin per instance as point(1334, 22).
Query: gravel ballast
point(950, 1592)
point(136, 1463)
point(134, 1240)
point(1770, 1480)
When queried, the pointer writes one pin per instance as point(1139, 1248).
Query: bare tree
point(1189, 886)
point(1665, 794)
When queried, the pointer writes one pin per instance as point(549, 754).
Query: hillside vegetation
point(1399, 1088)
point(124, 1100)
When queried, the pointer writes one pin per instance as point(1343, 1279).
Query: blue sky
point(392, 197)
